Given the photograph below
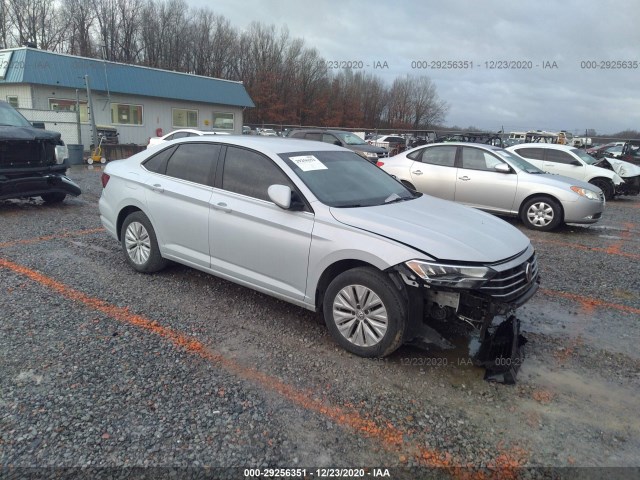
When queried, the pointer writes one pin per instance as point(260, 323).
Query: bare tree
point(36, 22)
point(81, 16)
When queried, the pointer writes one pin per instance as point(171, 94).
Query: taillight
point(379, 163)
point(105, 179)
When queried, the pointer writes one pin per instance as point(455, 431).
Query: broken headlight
point(456, 276)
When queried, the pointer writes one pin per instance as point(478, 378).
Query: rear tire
point(541, 213)
point(140, 244)
point(55, 197)
point(365, 312)
point(606, 186)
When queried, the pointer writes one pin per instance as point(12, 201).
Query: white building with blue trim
point(139, 102)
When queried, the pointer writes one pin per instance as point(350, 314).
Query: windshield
point(586, 158)
point(351, 139)
point(11, 118)
point(344, 179)
point(517, 161)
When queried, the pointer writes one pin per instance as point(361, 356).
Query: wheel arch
point(335, 269)
point(541, 195)
point(124, 213)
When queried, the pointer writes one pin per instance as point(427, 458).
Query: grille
point(25, 154)
point(510, 284)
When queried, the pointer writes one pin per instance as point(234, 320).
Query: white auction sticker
point(308, 163)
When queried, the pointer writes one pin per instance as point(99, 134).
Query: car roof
point(553, 146)
point(273, 145)
point(462, 144)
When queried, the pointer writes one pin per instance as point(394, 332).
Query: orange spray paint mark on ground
point(392, 439)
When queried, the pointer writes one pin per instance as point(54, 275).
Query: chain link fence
point(60, 121)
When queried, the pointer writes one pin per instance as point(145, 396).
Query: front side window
point(314, 136)
point(125, 114)
point(249, 173)
point(443, 156)
point(64, 105)
point(223, 120)
point(328, 138)
point(476, 159)
point(183, 118)
point(193, 162)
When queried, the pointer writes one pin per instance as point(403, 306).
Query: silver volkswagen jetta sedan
point(318, 226)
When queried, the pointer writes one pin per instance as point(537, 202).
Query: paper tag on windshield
point(308, 163)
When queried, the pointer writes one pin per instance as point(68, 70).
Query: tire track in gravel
point(505, 464)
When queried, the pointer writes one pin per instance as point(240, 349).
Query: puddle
point(617, 333)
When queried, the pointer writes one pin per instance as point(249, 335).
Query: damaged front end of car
point(629, 173)
point(482, 298)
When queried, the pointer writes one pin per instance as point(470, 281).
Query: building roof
point(40, 67)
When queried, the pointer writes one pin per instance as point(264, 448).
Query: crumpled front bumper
point(36, 184)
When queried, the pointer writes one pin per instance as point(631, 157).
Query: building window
point(125, 114)
point(66, 105)
point(223, 121)
point(12, 100)
point(184, 118)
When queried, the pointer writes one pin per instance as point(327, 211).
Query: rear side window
point(533, 153)
point(193, 162)
point(158, 163)
point(297, 135)
point(250, 173)
point(443, 156)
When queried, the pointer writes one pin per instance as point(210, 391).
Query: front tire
point(365, 312)
point(140, 244)
point(606, 186)
point(541, 213)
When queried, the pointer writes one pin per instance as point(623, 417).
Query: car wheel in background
point(365, 312)
point(140, 244)
point(606, 186)
point(55, 197)
point(541, 213)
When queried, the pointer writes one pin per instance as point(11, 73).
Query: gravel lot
point(104, 367)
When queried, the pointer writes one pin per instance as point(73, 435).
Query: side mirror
point(280, 195)
point(576, 163)
point(502, 168)
point(338, 143)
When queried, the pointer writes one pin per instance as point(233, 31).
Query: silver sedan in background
point(498, 181)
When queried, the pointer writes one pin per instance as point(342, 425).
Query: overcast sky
point(570, 97)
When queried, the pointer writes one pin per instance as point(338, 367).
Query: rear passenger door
point(178, 191)
point(252, 240)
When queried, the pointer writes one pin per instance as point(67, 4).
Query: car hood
point(441, 229)
point(27, 133)
point(622, 168)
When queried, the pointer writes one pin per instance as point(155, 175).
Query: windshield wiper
point(352, 205)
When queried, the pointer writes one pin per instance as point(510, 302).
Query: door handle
point(157, 188)
point(417, 172)
point(464, 179)
point(221, 206)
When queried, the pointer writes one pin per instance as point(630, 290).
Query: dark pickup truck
point(31, 160)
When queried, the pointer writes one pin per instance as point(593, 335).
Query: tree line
point(288, 81)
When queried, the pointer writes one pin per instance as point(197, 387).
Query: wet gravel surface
point(103, 367)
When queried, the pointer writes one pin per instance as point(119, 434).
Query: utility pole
point(94, 129)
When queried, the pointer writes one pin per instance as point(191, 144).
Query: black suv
point(31, 160)
point(343, 139)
